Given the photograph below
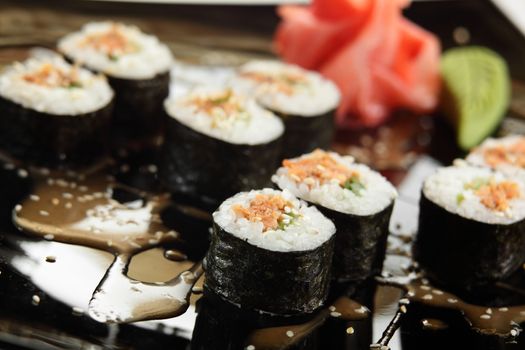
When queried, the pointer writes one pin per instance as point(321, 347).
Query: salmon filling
point(222, 108)
point(51, 76)
point(273, 211)
point(493, 195)
point(113, 43)
point(284, 82)
point(322, 167)
point(513, 154)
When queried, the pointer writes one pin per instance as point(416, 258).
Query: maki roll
point(357, 199)
point(506, 154)
point(270, 252)
point(471, 226)
point(138, 69)
point(303, 99)
point(53, 112)
point(218, 142)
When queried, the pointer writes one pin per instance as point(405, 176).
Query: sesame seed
point(362, 310)
point(51, 259)
point(35, 300)
point(22, 173)
point(452, 301)
point(331, 308)
point(49, 237)
point(290, 334)
point(55, 201)
point(44, 213)
point(350, 330)
point(9, 166)
point(68, 205)
point(250, 347)
point(425, 287)
point(62, 183)
point(485, 317)
point(34, 197)
point(335, 314)
point(437, 292)
point(503, 309)
point(50, 182)
point(77, 311)
point(152, 168)
point(197, 290)
point(18, 208)
point(403, 309)
point(82, 188)
point(404, 301)
point(67, 195)
point(489, 311)
point(427, 297)
point(110, 243)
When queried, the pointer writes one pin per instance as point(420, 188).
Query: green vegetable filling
point(354, 184)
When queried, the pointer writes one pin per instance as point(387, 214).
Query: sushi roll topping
point(495, 195)
point(335, 182)
point(48, 75)
point(273, 211)
point(49, 84)
point(320, 168)
point(224, 108)
point(112, 42)
point(513, 154)
point(225, 114)
point(287, 88)
point(117, 50)
point(274, 220)
point(286, 81)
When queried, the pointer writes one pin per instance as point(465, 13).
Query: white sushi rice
point(476, 157)
point(255, 126)
point(315, 97)
point(377, 194)
point(151, 57)
point(447, 183)
point(93, 94)
point(310, 230)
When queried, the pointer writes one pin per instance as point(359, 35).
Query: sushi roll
point(506, 154)
point(304, 100)
point(138, 68)
point(471, 226)
point(357, 199)
point(53, 112)
point(218, 142)
point(270, 252)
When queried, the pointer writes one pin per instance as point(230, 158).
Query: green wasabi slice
point(476, 92)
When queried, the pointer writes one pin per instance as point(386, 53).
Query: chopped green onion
point(354, 184)
point(460, 198)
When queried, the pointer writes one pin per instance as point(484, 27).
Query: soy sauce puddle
point(98, 213)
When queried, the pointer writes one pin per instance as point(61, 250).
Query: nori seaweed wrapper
point(466, 253)
point(49, 139)
point(199, 166)
point(286, 283)
point(139, 109)
point(221, 325)
point(360, 243)
point(305, 134)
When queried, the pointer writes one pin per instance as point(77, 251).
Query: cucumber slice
point(476, 92)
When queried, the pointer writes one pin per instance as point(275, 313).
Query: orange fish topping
point(284, 82)
point(51, 76)
point(513, 154)
point(496, 196)
point(264, 208)
point(112, 42)
point(225, 102)
point(321, 166)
